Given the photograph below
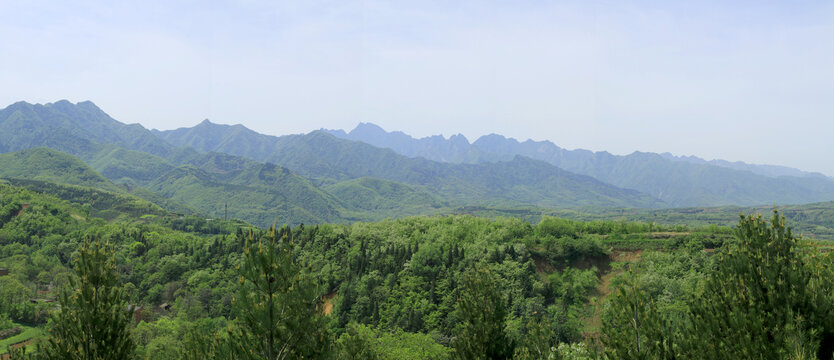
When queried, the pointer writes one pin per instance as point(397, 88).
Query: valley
point(385, 245)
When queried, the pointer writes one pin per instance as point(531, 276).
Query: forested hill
point(320, 155)
point(317, 155)
point(46, 164)
point(350, 180)
point(679, 181)
point(151, 168)
point(72, 128)
point(405, 289)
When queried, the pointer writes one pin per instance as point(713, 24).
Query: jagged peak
point(63, 103)
point(459, 138)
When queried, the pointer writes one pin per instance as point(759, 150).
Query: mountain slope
point(49, 165)
point(377, 194)
point(322, 156)
point(260, 205)
point(210, 137)
point(72, 128)
point(456, 149)
point(133, 155)
point(766, 170)
point(679, 181)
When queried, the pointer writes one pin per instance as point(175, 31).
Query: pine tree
point(279, 305)
point(482, 310)
point(635, 330)
point(94, 317)
point(769, 297)
point(537, 341)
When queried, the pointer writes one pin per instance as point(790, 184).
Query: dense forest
point(136, 281)
point(117, 244)
point(526, 180)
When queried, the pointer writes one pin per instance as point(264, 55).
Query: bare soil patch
point(604, 288)
point(328, 303)
point(23, 207)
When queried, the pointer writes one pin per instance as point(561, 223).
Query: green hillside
point(369, 198)
point(127, 166)
point(96, 202)
point(398, 286)
point(257, 204)
point(46, 164)
point(133, 156)
point(814, 221)
point(192, 270)
point(324, 157)
point(231, 184)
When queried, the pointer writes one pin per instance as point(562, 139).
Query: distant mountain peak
point(459, 139)
point(367, 126)
point(63, 102)
point(773, 171)
point(89, 105)
point(455, 149)
point(208, 124)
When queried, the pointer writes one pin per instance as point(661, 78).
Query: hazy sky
point(736, 80)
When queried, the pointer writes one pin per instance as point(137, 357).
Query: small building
point(165, 306)
point(4, 271)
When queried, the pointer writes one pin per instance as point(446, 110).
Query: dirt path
point(604, 288)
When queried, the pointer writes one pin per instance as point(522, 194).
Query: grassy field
point(28, 334)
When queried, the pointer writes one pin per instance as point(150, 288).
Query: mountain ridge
point(320, 155)
point(693, 181)
point(206, 180)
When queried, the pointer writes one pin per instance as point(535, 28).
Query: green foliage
point(101, 203)
point(634, 330)
point(356, 343)
point(5, 322)
point(537, 343)
point(364, 342)
point(14, 298)
point(254, 192)
point(278, 305)
point(94, 318)
point(768, 296)
point(50, 165)
point(395, 286)
point(29, 333)
point(482, 312)
point(769, 293)
point(378, 199)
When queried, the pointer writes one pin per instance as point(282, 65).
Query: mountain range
point(310, 178)
point(366, 174)
point(678, 181)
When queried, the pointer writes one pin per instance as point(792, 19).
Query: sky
point(736, 80)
